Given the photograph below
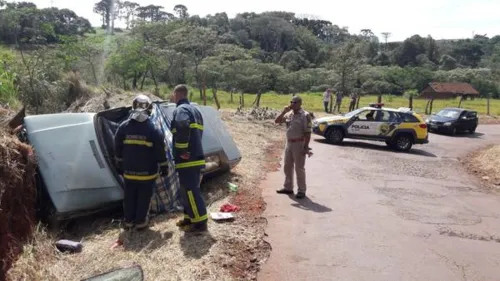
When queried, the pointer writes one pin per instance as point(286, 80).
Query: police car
point(398, 128)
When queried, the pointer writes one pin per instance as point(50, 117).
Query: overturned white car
point(77, 173)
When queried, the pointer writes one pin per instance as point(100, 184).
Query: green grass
point(314, 101)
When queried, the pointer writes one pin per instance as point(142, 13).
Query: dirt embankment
point(230, 251)
point(485, 164)
point(17, 195)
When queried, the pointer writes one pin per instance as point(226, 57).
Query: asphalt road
point(374, 214)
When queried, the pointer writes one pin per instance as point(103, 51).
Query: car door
point(386, 123)
point(462, 122)
point(471, 120)
point(363, 123)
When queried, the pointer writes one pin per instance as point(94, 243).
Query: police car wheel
point(334, 135)
point(403, 142)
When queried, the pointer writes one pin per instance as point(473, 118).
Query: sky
point(442, 19)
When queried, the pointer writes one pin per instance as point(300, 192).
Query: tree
point(129, 10)
point(346, 63)
point(197, 43)
point(181, 11)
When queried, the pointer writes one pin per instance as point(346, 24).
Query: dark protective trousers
point(194, 205)
point(325, 103)
point(137, 200)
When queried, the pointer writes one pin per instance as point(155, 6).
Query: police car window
point(409, 118)
point(383, 116)
point(367, 115)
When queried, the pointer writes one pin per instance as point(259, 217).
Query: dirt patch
point(230, 251)
point(485, 165)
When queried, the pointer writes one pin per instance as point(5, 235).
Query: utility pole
point(386, 36)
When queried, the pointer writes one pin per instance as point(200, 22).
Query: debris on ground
point(233, 187)
point(229, 208)
point(258, 113)
point(17, 196)
point(485, 164)
point(68, 246)
point(218, 216)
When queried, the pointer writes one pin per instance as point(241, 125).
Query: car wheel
point(472, 130)
point(334, 135)
point(403, 142)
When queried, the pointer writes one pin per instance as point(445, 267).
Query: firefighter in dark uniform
point(187, 130)
point(140, 154)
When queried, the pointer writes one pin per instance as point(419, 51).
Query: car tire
point(334, 135)
point(403, 142)
point(472, 130)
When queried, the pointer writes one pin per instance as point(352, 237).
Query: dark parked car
point(453, 120)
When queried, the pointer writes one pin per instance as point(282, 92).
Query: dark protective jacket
point(140, 149)
point(187, 130)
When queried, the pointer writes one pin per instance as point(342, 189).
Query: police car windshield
point(352, 113)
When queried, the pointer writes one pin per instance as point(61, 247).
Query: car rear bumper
point(422, 141)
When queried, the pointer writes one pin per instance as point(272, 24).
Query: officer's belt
point(296, 140)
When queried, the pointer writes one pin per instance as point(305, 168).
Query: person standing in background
point(354, 98)
point(326, 98)
point(338, 101)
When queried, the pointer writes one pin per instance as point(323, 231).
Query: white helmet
point(141, 108)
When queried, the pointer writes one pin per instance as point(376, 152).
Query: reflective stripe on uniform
point(196, 126)
point(138, 142)
point(190, 164)
point(118, 159)
point(194, 207)
point(164, 163)
point(181, 145)
point(174, 130)
point(140, 178)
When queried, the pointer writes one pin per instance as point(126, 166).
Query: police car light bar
point(376, 105)
point(404, 109)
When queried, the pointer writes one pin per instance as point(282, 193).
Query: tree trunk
point(430, 110)
point(427, 107)
point(134, 81)
point(153, 76)
point(256, 102)
point(92, 67)
point(214, 93)
point(232, 91)
point(204, 94)
point(460, 102)
point(357, 102)
point(379, 99)
point(410, 103)
point(143, 78)
point(242, 99)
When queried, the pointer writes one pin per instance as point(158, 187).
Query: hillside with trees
point(48, 53)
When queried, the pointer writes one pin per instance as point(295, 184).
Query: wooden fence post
point(488, 104)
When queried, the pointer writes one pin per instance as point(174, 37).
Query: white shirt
point(326, 96)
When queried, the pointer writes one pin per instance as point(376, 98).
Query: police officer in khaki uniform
point(298, 134)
